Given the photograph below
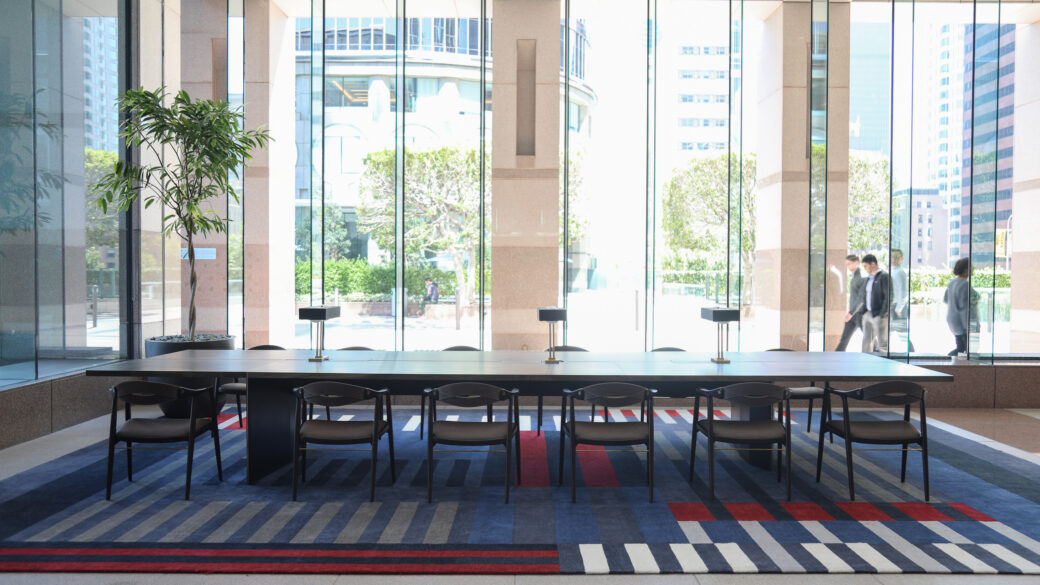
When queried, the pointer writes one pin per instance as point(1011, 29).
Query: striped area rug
point(984, 515)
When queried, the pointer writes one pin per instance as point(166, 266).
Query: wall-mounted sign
point(200, 253)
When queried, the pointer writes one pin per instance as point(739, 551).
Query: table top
point(524, 365)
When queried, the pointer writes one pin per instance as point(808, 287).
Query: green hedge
point(922, 279)
point(355, 276)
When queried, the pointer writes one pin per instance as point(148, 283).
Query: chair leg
point(429, 469)
point(563, 438)
point(574, 469)
point(819, 455)
point(490, 414)
point(808, 423)
point(303, 461)
point(593, 419)
point(509, 466)
point(779, 459)
point(422, 414)
point(650, 466)
point(848, 463)
point(216, 451)
point(693, 449)
point(902, 471)
point(111, 460)
point(642, 411)
point(129, 461)
point(924, 467)
point(191, 457)
point(539, 414)
point(787, 457)
point(238, 404)
point(711, 466)
point(328, 412)
point(393, 461)
point(517, 439)
point(295, 468)
point(372, 482)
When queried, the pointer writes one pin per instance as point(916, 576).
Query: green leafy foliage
point(868, 203)
point(442, 202)
point(200, 145)
point(695, 212)
point(355, 276)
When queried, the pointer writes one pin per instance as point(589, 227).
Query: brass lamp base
point(719, 360)
point(552, 360)
point(318, 358)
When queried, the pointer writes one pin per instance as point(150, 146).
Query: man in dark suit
point(852, 318)
point(877, 302)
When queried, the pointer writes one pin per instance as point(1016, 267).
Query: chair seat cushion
point(158, 430)
point(616, 433)
point(880, 432)
point(477, 433)
point(339, 431)
point(807, 392)
point(746, 431)
point(233, 388)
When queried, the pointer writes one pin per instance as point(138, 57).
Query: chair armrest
point(383, 391)
point(708, 392)
point(856, 393)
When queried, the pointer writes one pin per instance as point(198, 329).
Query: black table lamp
point(722, 316)
point(319, 315)
point(552, 315)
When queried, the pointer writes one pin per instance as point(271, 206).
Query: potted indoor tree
point(200, 146)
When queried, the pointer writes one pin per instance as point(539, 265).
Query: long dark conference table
point(271, 374)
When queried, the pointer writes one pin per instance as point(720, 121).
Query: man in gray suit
point(877, 302)
point(853, 317)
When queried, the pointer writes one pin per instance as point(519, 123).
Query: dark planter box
point(180, 408)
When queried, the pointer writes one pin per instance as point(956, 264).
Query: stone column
point(781, 281)
point(525, 175)
point(203, 74)
point(268, 188)
point(1024, 239)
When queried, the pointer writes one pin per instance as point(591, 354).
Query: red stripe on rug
point(223, 418)
point(752, 511)
point(863, 511)
point(970, 512)
point(921, 511)
point(720, 414)
point(805, 511)
point(290, 568)
point(596, 469)
point(272, 552)
point(673, 413)
point(534, 463)
point(690, 512)
point(628, 413)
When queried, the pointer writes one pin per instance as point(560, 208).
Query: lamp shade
point(720, 314)
point(552, 314)
point(319, 313)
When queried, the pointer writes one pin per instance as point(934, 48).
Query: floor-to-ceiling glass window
point(60, 280)
point(604, 264)
point(697, 169)
point(445, 173)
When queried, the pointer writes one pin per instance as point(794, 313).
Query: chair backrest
point(668, 348)
point(566, 348)
point(328, 393)
point(613, 394)
point(469, 394)
point(267, 346)
point(893, 393)
point(753, 393)
point(146, 392)
point(461, 348)
point(355, 348)
point(779, 349)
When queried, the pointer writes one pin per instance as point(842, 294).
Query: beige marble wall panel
point(526, 213)
point(26, 413)
point(1016, 387)
point(972, 387)
point(533, 285)
point(79, 398)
